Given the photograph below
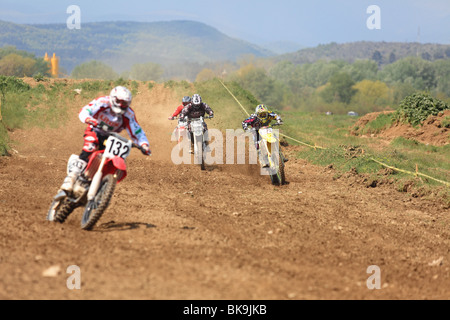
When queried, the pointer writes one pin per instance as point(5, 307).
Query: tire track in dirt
point(174, 232)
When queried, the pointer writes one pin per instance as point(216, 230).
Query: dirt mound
point(364, 120)
point(175, 232)
point(433, 131)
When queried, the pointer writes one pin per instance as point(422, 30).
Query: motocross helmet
point(196, 101)
point(262, 112)
point(186, 100)
point(120, 98)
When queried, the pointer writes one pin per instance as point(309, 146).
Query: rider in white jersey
point(111, 113)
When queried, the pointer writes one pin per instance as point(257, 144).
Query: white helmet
point(120, 98)
point(196, 100)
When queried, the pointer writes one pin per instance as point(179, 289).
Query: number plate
point(117, 148)
point(265, 131)
point(197, 127)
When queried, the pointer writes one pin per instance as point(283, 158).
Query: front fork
point(264, 152)
point(95, 184)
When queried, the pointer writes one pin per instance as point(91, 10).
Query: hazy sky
point(308, 23)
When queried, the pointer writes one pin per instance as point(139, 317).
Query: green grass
point(446, 122)
point(346, 152)
point(4, 140)
point(23, 106)
point(318, 129)
point(14, 110)
point(382, 122)
point(94, 87)
point(431, 160)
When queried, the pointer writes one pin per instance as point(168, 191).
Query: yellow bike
point(270, 155)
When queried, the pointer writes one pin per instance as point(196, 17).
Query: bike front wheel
point(60, 210)
point(95, 208)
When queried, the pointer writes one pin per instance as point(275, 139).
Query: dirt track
point(174, 232)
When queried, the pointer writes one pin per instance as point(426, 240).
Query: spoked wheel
point(199, 153)
point(202, 164)
point(53, 209)
point(95, 208)
point(279, 178)
point(274, 179)
point(281, 174)
point(60, 209)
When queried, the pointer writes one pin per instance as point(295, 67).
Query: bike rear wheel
point(95, 208)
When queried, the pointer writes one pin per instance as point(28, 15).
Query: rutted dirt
point(174, 232)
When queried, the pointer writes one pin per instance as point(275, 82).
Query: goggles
point(122, 104)
point(263, 115)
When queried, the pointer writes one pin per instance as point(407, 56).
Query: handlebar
point(257, 129)
point(187, 119)
point(199, 118)
point(271, 125)
point(120, 137)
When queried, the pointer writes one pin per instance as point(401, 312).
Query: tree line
point(338, 86)
point(21, 63)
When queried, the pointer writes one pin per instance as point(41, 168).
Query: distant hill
point(282, 47)
point(122, 44)
point(382, 52)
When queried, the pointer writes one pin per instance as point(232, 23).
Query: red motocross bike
point(95, 186)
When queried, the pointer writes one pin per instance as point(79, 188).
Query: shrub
point(12, 84)
point(38, 77)
point(417, 107)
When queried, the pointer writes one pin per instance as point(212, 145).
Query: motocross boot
point(74, 168)
point(68, 183)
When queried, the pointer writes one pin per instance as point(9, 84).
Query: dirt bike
point(181, 130)
point(95, 186)
point(198, 135)
point(271, 156)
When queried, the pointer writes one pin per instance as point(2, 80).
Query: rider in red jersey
point(186, 100)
